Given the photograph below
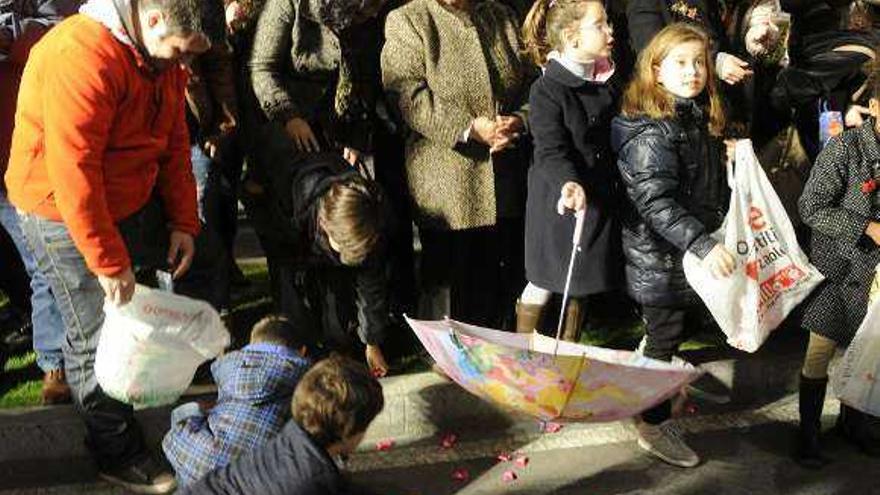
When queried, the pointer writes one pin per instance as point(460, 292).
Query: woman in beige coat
point(456, 72)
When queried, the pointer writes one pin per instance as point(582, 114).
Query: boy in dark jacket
point(254, 386)
point(333, 405)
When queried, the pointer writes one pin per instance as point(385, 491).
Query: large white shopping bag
point(149, 349)
point(772, 276)
point(855, 378)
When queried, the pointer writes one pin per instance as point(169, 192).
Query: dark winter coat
point(290, 228)
point(674, 176)
point(646, 18)
point(290, 464)
point(838, 204)
point(571, 122)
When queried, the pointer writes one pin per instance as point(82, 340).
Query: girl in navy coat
point(571, 107)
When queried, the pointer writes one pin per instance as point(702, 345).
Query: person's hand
point(212, 147)
point(234, 15)
point(720, 262)
point(733, 70)
point(376, 361)
point(119, 288)
point(483, 130)
point(572, 197)
point(301, 133)
point(855, 115)
point(730, 150)
point(351, 155)
point(873, 231)
point(181, 250)
point(507, 130)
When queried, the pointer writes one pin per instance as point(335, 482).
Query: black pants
point(484, 269)
point(666, 330)
point(14, 280)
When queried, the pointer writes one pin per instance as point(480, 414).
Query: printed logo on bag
point(172, 314)
point(765, 252)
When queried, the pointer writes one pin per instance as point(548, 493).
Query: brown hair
point(350, 212)
point(547, 23)
point(336, 399)
point(277, 329)
point(646, 97)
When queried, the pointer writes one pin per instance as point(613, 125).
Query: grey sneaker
point(664, 441)
point(143, 476)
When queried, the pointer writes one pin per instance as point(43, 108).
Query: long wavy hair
point(645, 96)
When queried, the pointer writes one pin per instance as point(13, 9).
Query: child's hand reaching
point(720, 262)
point(376, 361)
point(873, 231)
point(571, 197)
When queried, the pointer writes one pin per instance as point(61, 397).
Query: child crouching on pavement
point(254, 387)
point(333, 405)
point(841, 205)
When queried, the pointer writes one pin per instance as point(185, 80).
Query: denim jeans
point(112, 434)
point(45, 316)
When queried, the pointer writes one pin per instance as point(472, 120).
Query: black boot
point(853, 426)
point(808, 449)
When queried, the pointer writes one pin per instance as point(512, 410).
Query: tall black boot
point(808, 449)
point(853, 425)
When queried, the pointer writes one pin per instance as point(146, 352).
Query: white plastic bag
point(149, 349)
point(855, 378)
point(772, 274)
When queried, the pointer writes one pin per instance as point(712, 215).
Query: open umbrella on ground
point(548, 378)
point(578, 383)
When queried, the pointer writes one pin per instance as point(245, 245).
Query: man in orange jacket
point(99, 166)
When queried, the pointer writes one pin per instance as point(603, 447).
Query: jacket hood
point(258, 376)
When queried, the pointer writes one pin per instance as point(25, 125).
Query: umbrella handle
point(579, 217)
point(575, 247)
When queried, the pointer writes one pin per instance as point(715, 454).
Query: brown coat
point(436, 73)
point(210, 91)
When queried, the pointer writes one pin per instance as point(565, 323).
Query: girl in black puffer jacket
point(670, 159)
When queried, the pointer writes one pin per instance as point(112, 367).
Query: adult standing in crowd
point(827, 68)
point(103, 182)
point(22, 24)
point(212, 115)
point(314, 68)
point(647, 17)
point(457, 72)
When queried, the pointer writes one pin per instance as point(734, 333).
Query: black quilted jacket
point(674, 177)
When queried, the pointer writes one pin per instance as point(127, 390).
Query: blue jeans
point(112, 434)
point(45, 316)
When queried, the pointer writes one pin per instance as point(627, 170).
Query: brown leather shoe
point(55, 388)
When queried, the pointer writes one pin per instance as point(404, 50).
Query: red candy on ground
point(521, 461)
point(461, 474)
point(552, 427)
point(508, 476)
point(448, 440)
point(383, 445)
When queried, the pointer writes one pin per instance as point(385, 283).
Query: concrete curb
point(418, 407)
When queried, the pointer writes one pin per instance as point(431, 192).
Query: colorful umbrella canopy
point(521, 372)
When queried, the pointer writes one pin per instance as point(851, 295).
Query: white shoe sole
point(158, 489)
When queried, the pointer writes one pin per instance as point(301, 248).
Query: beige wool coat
point(441, 69)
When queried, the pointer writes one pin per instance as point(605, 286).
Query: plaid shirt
point(255, 386)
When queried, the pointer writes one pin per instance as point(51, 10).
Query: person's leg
point(112, 434)
point(811, 398)
point(48, 326)
point(665, 329)
point(530, 307)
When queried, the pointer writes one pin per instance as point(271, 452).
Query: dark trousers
point(484, 269)
point(666, 329)
point(14, 280)
point(112, 434)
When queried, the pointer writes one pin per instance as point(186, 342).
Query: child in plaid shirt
point(254, 390)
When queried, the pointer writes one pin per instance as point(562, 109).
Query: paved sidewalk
point(43, 446)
